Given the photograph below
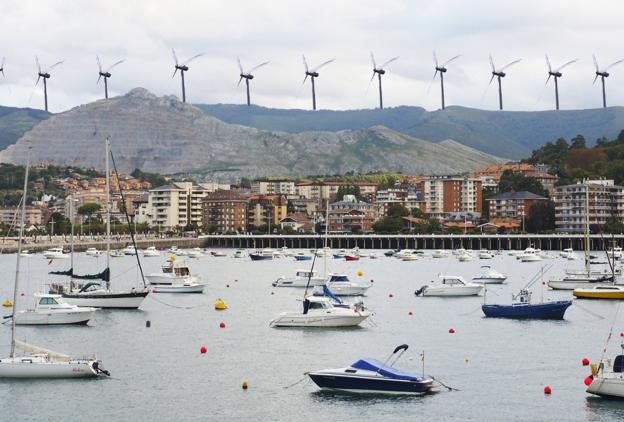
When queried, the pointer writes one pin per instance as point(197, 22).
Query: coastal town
point(505, 198)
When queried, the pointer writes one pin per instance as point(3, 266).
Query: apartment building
point(274, 187)
point(491, 175)
point(351, 215)
point(266, 210)
point(327, 191)
point(226, 211)
point(515, 205)
point(175, 205)
point(444, 195)
point(409, 198)
point(601, 198)
point(35, 216)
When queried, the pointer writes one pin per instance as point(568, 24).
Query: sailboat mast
point(325, 242)
point(71, 238)
point(587, 267)
point(19, 252)
point(107, 211)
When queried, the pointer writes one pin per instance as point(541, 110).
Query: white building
point(445, 195)
point(175, 205)
point(273, 187)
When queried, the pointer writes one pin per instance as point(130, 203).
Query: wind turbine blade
point(322, 64)
point(547, 79)
point(435, 59)
point(97, 59)
point(548, 63)
point(38, 65)
point(304, 79)
point(54, 65)
point(509, 65)
point(373, 60)
point(492, 64)
point(595, 63)
point(595, 79)
point(450, 60)
point(305, 63)
point(192, 58)
point(253, 69)
point(2, 64)
point(433, 79)
point(389, 61)
point(175, 58)
point(174, 73)
point(607, 68)
point(99, 77)
point(38, 77)
point(371, 79)
point(239, 81)
point(115, 64)
point(240, 66)
point(491, 79)
point(565, 65)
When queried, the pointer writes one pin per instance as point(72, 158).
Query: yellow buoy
point(7, 303)
point(466, 360)
point(360, 273)
point(220, 305)
point(594, 369)
point(245, 385)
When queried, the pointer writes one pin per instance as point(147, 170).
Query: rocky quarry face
point(164, 135)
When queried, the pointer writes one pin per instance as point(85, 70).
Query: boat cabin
point(337, 278)
point(453, 280)
point(306, 274)
point(178, 268)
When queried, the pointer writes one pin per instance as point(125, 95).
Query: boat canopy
point(375, 365)
point(29, 348)
point(338, 277)
point(618, 364)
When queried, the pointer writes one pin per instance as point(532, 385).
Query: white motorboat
point(530, 255)
point(464, 256)
point(450, 285)
point(240, 253)
point(409, 257)
point(265, 254)
point(55, 253)
point(216, 254)
point(514, 253)
point(404, 252)
point(39, 363)
point(286, 252)
point(615, 252)
point(485, 254)
point(320, 312)
point(301, 280)
point(26, 253)
point(93, 252)
point(340, 285)
point(151, 252)
point(373, 255)
point(488, 275)
point(341, 253)
point(130, 250)
point(51, 309)
point(174, 250)
point(439, 253)
point(195, 253)
point(175, 278)
point(566, 253)
point(116, 254)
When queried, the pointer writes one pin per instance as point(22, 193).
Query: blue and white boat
point(374, 377)
point(524, 309)
point(302, 257)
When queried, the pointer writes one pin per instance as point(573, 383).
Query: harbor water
point(499, 367)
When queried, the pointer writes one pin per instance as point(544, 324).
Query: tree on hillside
point(613, 225)
point(577, 142)
point(348, 190)
point(516, 181)
point(89, 209)
point(541, 217)
point(397, 210)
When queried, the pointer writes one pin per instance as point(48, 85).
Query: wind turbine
point(105, 74)
point(380, 71)
point(183, 68)
point(313, 73)
point(45, 75)
point(248, 76)
point(2, 67)
point(603, 74)
point(499, 73)
point(442, 69)
point(556, 74)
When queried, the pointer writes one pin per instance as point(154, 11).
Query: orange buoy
point(588, 380)
point(585, 362)
point(203, 350)
point(222, 325)
point(547, 390)
point(451, 330)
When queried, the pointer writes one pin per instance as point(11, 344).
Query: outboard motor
point(420, 291)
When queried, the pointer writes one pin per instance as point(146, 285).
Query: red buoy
point(390, 295)
point(227, 285)
point(272, 293)
point(451, 330)
point(547, 390)
point(372, 281)
point(588, 380)
point(621, 334)
point(585, 362)
point(203, 350)
point(410, 313)
point(222, 325)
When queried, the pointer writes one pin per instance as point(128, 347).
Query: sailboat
point(39, 363)
point(588, 278)
point(92, 293)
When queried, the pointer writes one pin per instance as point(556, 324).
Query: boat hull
point(572, 285)
point(178, 288)
point(54, 318)
point(122, 300)
point(347, 290)
point(549, 310)
point(600, 294)
point(322, 321)
point(34, 368)
point(369, 385)
point(488, 280)
point(299, 282)
point(607, 387)
point(452, 291)
point(256, 257)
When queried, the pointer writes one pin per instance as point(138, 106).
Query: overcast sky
point(144, 32)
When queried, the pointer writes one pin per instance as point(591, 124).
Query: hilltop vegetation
point(14, 122)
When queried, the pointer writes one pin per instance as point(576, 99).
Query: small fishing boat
point(409, 257)
point(174, 250)
point(373, 376)
point(373, 255)
point(300, 256)
point(340, 285)
point(485, 254)
point(465, 256)
point(404, 252)
point(350, 257)
point(262, 255)
point(340, 254)
point(151, 252)
point(55, 253)
point(195, 253)
point(215, 254)
point(449, 285)
point(26, 253)
point(439, 253)
point(600, 292)
point(301, 279)
point(240, 253)
point(93, 252)
point(530, 255)
point(130, 250)
point(615, 253)
point(488, 275)
point(51, 309)
point(566, 253)
point(175, 277)
point(390, 253)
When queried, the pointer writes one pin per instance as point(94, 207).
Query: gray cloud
point(143, 32)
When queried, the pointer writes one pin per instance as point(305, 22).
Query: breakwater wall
point(491, 242)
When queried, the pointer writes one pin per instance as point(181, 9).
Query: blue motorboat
point(303, 257)
point(373, 376)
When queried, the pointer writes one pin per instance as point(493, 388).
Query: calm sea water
point(158, 373)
